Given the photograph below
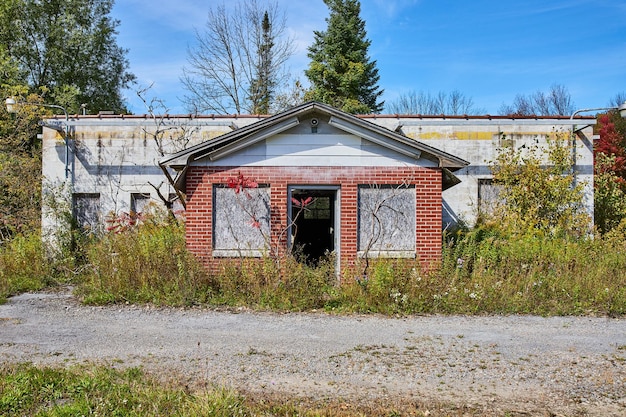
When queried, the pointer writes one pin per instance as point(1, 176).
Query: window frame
point(406, 236)
point(256, 247)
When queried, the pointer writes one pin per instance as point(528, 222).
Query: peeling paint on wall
point(470, 135)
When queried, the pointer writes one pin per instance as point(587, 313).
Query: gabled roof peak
point(248, 135)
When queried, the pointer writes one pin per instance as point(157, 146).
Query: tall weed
point(146, 264)
point(534, 274)
point(23, 265)
point(393, 286)
point(288, 285)
point(482, 272)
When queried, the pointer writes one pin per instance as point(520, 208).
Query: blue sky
point(490, 50)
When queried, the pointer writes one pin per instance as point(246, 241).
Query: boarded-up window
point(488, 196)
point(87, 211)
point(386, 221)
point(241, 221)
point(139, 202)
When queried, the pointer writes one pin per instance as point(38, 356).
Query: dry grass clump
point(482, 272)
point(23, 265)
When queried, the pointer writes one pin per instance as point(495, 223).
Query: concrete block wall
point(115, 156)
point(478, 141)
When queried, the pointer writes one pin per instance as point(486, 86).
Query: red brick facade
point(427, 183)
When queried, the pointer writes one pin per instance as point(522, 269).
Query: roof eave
point(233, 141)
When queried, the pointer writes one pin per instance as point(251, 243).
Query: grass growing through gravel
point(28, 390)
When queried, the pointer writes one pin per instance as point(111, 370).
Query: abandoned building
point(311, 178)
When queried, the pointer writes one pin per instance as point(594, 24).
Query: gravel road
point(545, 366)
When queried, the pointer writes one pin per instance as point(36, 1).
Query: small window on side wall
point(86, 211)
point(489, 196)
point(139, 202)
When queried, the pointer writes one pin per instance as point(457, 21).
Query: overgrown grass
point(287, 286)
point(146, 264)
point(482, 272)
point(23, 266)
point(486, 273)
point(27, 390)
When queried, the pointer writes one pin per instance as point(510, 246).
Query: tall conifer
point(341, 72)
point(263, 85)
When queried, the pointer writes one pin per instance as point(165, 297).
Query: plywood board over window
point(241, 221)
point(87, 211)
point(489, 196)
point(139, 202)
point(386, 224)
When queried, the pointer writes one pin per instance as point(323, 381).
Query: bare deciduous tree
point(557, 101)
point(419, 102)
point(618, 99)
point(239, 59)
point(168, 137)
point(292, 95)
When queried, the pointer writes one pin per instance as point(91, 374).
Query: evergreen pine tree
point(341, 72)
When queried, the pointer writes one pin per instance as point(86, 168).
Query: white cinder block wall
point(116, 157)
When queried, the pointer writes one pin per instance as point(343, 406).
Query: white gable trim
point(365, 134)
point(314, 149)
point(249, 141)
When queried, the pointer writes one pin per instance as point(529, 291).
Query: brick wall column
point(278, 216)
point(348, 225)
point(428, 215)
point(199, 214)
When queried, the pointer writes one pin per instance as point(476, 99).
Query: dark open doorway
point(313, 222)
